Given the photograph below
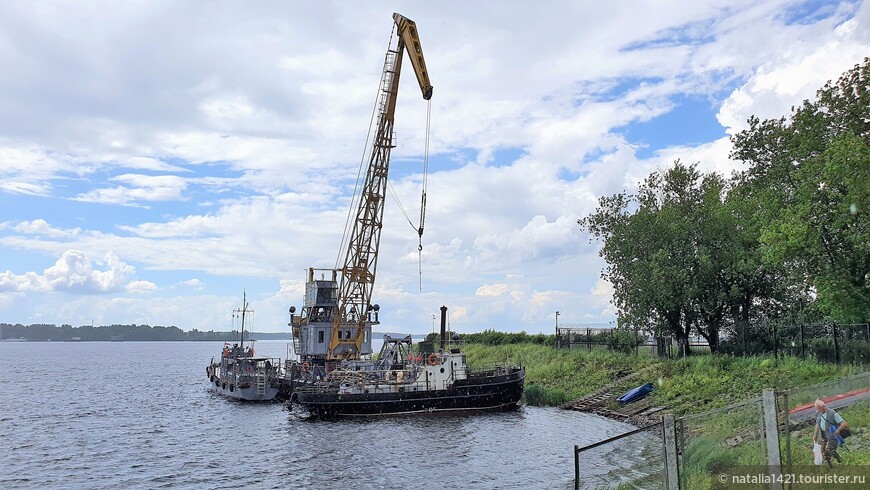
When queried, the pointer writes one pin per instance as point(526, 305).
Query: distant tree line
point(488, 337)
point(45, 332)
point(788, 237)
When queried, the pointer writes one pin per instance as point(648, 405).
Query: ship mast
point(360, 263)
point(243, 310)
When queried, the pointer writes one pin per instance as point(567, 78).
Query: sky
point(158, 158)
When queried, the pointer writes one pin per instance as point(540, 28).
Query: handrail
point(578, 449)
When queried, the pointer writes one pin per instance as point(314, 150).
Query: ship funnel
point(443, 326)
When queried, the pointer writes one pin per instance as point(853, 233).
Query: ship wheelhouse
point(313, 326)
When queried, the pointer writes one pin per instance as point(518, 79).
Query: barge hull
point(483, 393)
point(248, 393)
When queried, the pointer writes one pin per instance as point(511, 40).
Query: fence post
point(576, 469)
point(771, 437)
point(836, 343)
point(787, 431)
point(669, 437)
point(680, 427)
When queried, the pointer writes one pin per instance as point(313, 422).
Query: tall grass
point(691, 385)
point(539, 395)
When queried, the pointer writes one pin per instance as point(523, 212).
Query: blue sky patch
point(505, 157)
point(810, 12)
point(622, 86)
point(692, 121)
point(691, 34)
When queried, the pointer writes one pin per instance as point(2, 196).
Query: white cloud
point(140, 287)
point(26, 188)
point(73, 272)
point(141, 188)
point(601, 296)
point(258, 119)
point(151, 164)
point(492, 290)
point(711, 157)
point(538, 240)
point(193, 283)
point(41, 227)
point(786, 80)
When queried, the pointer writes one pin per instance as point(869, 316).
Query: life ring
point(306, 367)
point(433, 359)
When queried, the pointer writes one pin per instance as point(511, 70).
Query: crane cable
point(418, 229)
point(423, 196)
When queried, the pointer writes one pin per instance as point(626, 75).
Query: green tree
point(812, 171)
point(667, 250)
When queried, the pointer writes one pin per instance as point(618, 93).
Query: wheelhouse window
point(320, 336)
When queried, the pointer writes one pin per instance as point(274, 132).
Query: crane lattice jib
point(360, 264)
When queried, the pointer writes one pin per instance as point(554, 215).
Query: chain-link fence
point(602, 464)
point(825, 341)
point(712, 441)
point(850, 397)
point(718, 440)
point(626, 340)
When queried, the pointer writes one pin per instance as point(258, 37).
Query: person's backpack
point(844, 432)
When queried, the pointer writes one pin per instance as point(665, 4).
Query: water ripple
point(140, 415)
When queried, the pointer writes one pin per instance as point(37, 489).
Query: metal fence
point(848, 396)
point(602, 464)
point(605, 337)
point(827, 341)
point(713, 440)
point(718, 440)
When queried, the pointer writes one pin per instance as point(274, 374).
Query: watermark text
point(750, 477)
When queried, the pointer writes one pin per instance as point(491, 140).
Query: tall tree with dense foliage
point(693, 252)
point(667, 251)
point(812, 170)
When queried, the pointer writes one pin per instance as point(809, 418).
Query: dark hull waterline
point(472, 394)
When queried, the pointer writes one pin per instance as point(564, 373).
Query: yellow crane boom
point(360, 264)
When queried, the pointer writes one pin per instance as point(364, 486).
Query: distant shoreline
point(139, 333)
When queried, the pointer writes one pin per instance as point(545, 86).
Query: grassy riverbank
point(699, 384)
point(690, 385)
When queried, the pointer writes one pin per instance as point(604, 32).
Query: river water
point(141, 415)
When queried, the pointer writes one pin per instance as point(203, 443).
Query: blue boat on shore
point(635, 394)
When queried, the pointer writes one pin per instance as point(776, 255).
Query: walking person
point(827, 432)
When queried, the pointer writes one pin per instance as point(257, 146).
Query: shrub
point(539, 395)
point(622, 340)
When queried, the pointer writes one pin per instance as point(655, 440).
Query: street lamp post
point(558, 344)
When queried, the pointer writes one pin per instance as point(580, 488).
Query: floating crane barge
point(335, 374)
